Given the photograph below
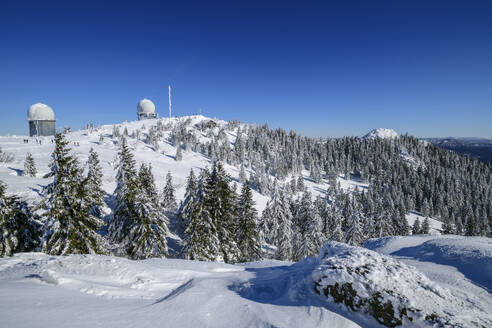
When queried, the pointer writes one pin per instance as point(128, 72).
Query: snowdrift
point(390, 291)
point(344, 286)
point(472, 256)
point(38, 290)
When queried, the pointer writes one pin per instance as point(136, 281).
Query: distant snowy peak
point(381, 133)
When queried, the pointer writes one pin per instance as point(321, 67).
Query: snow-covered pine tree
point(242, 174)
point(116, 131)
point(70, 228)
point(188, 204)
point(315, 233)
point(168, 194)
point(354, 234)
point(219, 204)
point(337, 233)
point(448, 225)
point(284, 239)
point(93, 184)
point(202, 243)
point(138, 223)
point(416, 227)
point(300, 183)
point(270, 217)
point(30, 166)
point(179, 152)
point(383, 225)
point(247, 233)
point(425, 229)
point(147, 184)
point(304, 245)
point(19, 231)
point(471, 226)
point(125, 195)
point(277, 219)
point(147, 235)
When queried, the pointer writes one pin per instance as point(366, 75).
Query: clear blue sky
point(322, 68)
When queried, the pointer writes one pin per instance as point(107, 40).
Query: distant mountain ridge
point(480, 148)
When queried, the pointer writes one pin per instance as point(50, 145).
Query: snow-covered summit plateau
point(381, 133)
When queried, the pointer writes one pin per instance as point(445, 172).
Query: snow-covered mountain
point(381, 133)
point(420, 280)
point(161, 156)
point(431, 279)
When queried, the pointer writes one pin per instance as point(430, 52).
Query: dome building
point(41, 120)
point(145, 109)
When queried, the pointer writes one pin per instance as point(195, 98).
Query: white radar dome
point(146, 106)
point(40, 112)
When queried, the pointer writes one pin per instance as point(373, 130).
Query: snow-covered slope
point(435, 225)
point(381, 133)
point(470, 256)
point(38, 290)
point(162, 160)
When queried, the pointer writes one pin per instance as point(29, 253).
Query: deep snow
point(38, 290)
point(98, 291)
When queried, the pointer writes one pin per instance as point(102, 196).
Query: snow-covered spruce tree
point(305, 243)
point(270, 217)
point(70, 228)
point(30, 166)
point(354, 234)
point(448, 225)
point(277, 224)
point(471, 226)
point(315, 232)
point(125, 195)
point(168, 194)
point(242, 174)
point(147, 235)
point(116, 131)
point(425, 229)
point(285, 239)
point(19, 232)
point(300, 183)
point(247, 233)
point(416, 227)
point(383, 225)
point(179, 153)
point(202, 243)
point(219, 205)
point(188, 204)
point(93, 184)
point(138, 223)
point(337, 233)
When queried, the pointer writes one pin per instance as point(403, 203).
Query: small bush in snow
point(6, 157)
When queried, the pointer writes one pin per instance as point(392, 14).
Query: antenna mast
point(169, 101)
